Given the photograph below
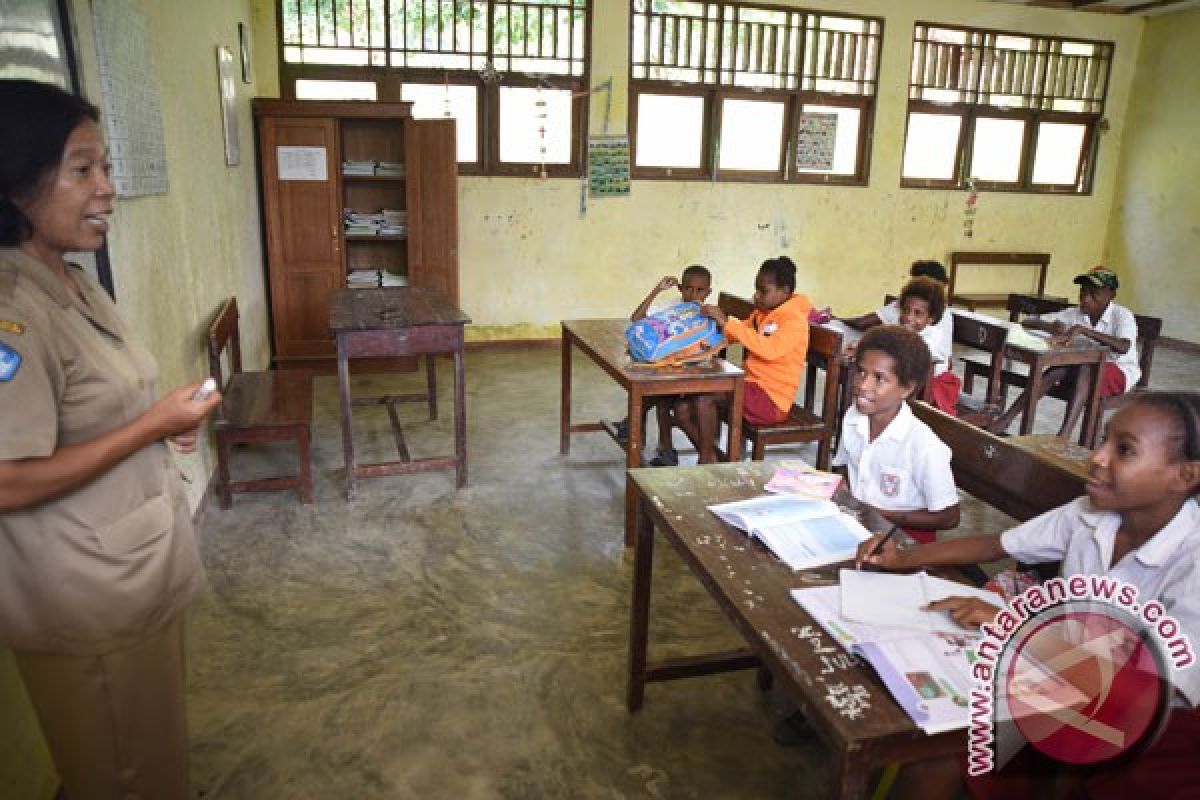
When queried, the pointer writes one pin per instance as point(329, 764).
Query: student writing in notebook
point(1139, 522)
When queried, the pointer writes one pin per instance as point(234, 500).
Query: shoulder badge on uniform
point(10, 362)
point(8, 326)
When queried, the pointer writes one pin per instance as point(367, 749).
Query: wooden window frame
point(389, 81)
point(1039, 110)
point(714, 89)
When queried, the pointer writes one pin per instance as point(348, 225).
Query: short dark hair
point(928, 269)
point(1184, 408)
point(781, 271)
point(906, 348)
point(929, 290)
point(699, 271)
point(35, 121)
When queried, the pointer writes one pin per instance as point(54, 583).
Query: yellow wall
point(1154, 236)
point(174, 257)
point(529, 259)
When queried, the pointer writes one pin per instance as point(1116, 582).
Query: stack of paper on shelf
point(802, 532)
point(361, 223)
point(391, 169)
point(363, 278)
point(923, 657)
point(358, 168)
point(392, 279)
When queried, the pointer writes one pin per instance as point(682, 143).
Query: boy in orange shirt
point(776, 341)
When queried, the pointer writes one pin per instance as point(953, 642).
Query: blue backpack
point(675, 335)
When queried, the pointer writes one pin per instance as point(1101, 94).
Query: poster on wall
point(129, 85)
point(815, 139)
point(608, 165)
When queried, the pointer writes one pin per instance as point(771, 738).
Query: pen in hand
point(877, 549)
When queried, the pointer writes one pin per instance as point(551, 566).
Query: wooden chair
point(270, 406)
point(806, 422)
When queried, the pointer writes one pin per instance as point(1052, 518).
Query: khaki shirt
point(101, 566)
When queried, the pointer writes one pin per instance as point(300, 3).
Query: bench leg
point(224, 494)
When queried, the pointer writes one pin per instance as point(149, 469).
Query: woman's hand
point(177, 417)
point(970, 612)
point(714, 312)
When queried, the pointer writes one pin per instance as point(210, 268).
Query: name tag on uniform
point(10, 362)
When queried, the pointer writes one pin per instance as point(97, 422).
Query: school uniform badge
point(770, 328)
point(10, 362)
point(889, 484)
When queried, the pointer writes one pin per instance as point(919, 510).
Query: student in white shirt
point(922, 309)
point(1100, 319)
point(889, 314)
point(894, 461)
point(1140, 523)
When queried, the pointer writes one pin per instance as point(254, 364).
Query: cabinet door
point(432, 205)
point(304, 231)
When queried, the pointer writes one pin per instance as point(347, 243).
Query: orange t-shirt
point(776, 347)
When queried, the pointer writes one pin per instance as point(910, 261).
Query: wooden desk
point(851, 711)
point(1072, 457)
point(1079, 352)
point(603, 341)
point(1011, 474)
point(383, 323)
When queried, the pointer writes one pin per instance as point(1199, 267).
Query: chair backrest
point(825, 351)
point(735, 305)
point(1029, 305)
point(1149, 329)
point(221, 334)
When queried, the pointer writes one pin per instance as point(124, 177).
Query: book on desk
point(802, 532)
point(923, 657)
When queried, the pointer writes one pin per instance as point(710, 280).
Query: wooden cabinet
point(303, 146)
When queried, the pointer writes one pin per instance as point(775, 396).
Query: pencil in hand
point(863, 564)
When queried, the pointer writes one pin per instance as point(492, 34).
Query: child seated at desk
point(776, 340)
point(1100, 319)
point(889, 314)
point(1140, 523)
point(694, 286)
point(922, 308)
point(894, 461)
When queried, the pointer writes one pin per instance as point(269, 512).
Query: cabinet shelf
point(376, 237)
point(374, 178)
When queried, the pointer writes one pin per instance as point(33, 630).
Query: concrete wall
point(529, 258)
point(174, 257)
point(1154, 235)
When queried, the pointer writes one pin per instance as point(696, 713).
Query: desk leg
point(460, 417)
point(639, 612)
point(343, 370)
point(1091, 415)
point(735, 423)
point(633, 459)
point(1034, 387)
point(431, 384)
point(564, 416)
point(852, 781)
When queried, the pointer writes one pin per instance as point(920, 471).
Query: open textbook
point(803, 532)
point(928, 674)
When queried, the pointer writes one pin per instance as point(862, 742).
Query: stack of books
point(360, 223)
point(394, 223)
point(390, 169)
point(363, 279)
point(392, 279)
point(358, 168)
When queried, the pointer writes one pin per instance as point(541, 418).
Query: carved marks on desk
point(830, 663)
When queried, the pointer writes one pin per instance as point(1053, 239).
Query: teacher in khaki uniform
point(97, 557)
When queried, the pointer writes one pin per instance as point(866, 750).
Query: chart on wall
point(132, 114)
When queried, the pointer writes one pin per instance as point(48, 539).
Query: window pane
point(1059, 149)
point(931, 146)
point(845, 124)
point(335, 90)
point(670, 130)
point(535, 125)
point(996, 153)
point(751, 134)
point(436, 100)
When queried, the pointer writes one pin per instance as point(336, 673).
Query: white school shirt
point(941, 336)
point(906, 468)
point(1166, 568)
point(933, 340)
point(1117, 320)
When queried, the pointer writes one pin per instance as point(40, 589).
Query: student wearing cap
point(1100, 319)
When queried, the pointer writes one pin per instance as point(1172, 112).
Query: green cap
point(1099, 278)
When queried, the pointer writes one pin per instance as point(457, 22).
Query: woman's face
point(69, 209)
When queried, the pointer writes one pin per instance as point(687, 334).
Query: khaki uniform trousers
point(116, 724)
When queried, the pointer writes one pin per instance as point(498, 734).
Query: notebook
point(802, 532)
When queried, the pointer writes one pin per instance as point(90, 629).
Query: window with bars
point(510, 72)
point(1005, 111)
point(746, 92)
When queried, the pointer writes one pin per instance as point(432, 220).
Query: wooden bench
point(270, 406)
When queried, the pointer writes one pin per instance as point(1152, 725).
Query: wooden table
point(389, 322)
point(1070, 456)
point(1079, 352)
point(850, 710)
point(603, 341)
